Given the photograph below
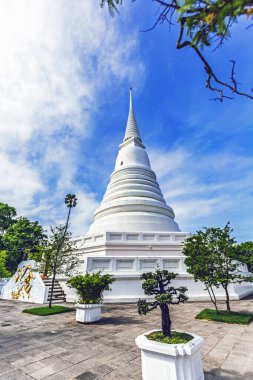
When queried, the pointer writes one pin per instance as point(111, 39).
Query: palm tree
point(70, 201)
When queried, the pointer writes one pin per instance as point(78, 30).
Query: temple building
point(134, 230)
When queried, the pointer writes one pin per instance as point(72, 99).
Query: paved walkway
point(58, 348)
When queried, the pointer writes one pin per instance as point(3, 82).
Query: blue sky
point(66, 68)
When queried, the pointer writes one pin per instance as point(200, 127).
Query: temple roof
point(131, 128)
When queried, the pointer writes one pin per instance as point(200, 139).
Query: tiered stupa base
point(127, 255)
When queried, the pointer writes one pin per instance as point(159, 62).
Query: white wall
point(16, 289)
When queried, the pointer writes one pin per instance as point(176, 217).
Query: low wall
point(127, 288)
point(25, 285)
point(127, 271)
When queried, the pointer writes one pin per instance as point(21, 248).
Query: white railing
point(135, 265)
point(138, 237)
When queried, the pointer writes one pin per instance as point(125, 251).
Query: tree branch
point(153, 306)
point(210, 73)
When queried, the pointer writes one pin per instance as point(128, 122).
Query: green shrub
point(90, 287)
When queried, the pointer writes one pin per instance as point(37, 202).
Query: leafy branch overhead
point(203, 23)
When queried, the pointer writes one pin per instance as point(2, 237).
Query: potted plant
point(90, 288)
point(167, 354)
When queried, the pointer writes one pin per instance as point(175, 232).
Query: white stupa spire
point(133, 200)
point(131, 128)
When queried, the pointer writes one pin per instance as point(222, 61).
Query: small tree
point(157, 284)
point(91, 286)
point(245, 254)
point(211, 256)
point(200, 262)
point(59, 255)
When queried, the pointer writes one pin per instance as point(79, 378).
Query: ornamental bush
point(212, 257)
point(91, 286)
point(157, 284)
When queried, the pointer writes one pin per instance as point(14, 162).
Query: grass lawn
point(223, 316)
point(45, 310)
point(176, 337)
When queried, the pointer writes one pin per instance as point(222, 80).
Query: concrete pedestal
point(171, 361)
point(88, 313)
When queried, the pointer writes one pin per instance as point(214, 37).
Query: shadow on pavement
point(222, 374)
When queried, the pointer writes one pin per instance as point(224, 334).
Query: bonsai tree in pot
point(90, 288)
point(167, 353)
point(157, 284)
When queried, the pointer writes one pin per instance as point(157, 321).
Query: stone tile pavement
point(58, 348)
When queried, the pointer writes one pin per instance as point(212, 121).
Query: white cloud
point(207, 189)
point(165, 164)
point(56, 59)
point(18, 182)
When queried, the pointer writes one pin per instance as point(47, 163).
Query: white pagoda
point(134, 229)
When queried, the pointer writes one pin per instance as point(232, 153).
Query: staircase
point(58, 293)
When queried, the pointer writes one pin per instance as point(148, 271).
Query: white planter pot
point(170, 361)
point(88, 313)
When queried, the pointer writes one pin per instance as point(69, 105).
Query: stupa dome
point(133, 201)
